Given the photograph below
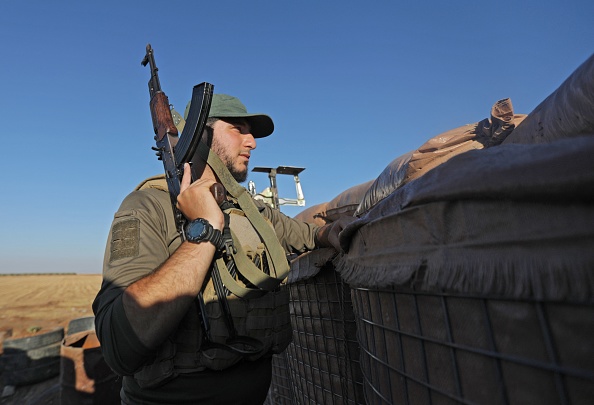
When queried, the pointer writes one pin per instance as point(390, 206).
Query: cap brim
point(261, 124)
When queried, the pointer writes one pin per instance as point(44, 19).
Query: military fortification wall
point(467, 275)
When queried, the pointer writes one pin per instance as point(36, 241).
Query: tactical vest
point(257, 301)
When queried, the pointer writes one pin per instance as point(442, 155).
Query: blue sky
point(351, 85)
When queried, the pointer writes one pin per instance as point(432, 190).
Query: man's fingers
point(186, 178)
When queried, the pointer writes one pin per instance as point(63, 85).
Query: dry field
point(32, 304)
point(35, 304)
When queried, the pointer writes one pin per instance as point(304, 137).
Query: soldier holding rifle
point(192, 307)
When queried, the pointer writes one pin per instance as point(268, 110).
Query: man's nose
point(249, 141)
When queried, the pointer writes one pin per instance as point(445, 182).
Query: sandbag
point(439, 149)
point(512, 217)
point(346, 203)
point(311, 214)
point(567, 112)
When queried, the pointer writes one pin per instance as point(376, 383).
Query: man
point(148, 318)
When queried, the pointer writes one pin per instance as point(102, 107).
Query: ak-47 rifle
point(175, 151)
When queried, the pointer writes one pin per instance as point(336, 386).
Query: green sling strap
point(278, 263)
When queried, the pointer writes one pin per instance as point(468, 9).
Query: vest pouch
point(265, 318)
point(258, 257)
point(160, 370)
point(177, 355)
point(270, 319)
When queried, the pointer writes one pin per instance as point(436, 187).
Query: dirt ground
point(35, 304)
point(31, 304)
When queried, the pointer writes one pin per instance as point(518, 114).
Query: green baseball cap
point(225, 106)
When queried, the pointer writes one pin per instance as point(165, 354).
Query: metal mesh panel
point(433, 348)
point(324, 355)
point(281, 386)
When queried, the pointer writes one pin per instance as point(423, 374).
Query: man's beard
point(239, 176)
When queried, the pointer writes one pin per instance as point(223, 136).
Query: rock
point(8, 391)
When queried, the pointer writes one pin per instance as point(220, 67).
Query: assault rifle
point(171, 149)
point(175, 151)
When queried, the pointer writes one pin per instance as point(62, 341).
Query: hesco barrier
point(427, 348)
point(323, 358)
point(469, 271)
point(474, 283)
point(281, 390)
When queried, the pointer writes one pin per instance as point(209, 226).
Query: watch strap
point(212, 235)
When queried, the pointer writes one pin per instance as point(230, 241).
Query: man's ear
point(197, 163)
point(207, 135)
point(198, 166)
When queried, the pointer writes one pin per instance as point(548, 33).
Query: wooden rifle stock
point(160, 111)
point(161, 114)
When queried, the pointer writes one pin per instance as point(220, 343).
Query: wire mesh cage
point(436, 348)
point(281, 390)
point(324, 355)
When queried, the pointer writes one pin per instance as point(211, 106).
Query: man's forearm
point(155, 304)
point(321, 237)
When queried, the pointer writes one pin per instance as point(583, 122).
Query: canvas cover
point(515, 220)
point(567, 112)
point(439, 149)
point(344, 203)
point(311, 214)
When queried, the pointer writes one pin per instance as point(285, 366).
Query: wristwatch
point(200, 230)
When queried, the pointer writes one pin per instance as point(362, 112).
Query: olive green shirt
point(143, 235)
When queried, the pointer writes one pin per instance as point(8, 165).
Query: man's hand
point(328, 234)
point(156, 303)
point(195, 200)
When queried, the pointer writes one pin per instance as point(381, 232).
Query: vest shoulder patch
point(125, 239)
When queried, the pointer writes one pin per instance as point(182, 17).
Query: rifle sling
point(277, 259)
point(232, 284)
point(242, 345)
point(250, 271)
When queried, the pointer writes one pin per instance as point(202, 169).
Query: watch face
point(196, 229)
